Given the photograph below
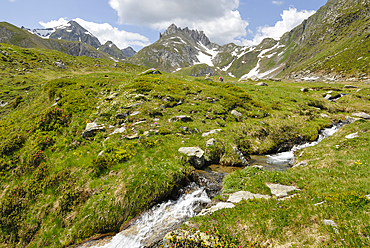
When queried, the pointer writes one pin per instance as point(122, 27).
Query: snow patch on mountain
point(255, 72)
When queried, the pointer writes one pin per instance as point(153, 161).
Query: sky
point(137, 23)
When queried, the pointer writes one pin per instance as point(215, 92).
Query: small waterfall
point(161, 219)
point(283, 160)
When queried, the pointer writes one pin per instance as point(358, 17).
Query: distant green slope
point(13, 35)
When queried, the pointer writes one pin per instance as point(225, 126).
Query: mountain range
point(330, 45)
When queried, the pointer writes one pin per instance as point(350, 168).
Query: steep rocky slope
point(111, 49)
point(13, 35)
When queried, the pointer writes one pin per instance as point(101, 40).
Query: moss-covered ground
point(58, 188)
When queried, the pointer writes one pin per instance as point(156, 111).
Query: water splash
point(281, 161)
point(161, 219)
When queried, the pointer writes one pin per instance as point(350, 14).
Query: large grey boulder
point(195, 155)
point(362, 115)
point(91, 129)
point(245, 195)
point(211, 132)
point(236, 113)
point(279, 190)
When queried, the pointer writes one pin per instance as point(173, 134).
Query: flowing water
point(282, 161)
point(153, 225)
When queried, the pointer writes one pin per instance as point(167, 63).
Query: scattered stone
point(280, 190)
point(195, 154)
point(61, 65)
point(324, 116)
point(151, 71)
point(132, 136)
point(146, 133)
point(133, 105)
point(211, 142)
point(241, 157)
point(350, 87)
point(262, 84)
point(121, 116)
point(362, 115)
point(211, 132)
point(92, 129)
point(301, 164)
point(180, 102)
point(162, 106)
point(183, 118)
point(236, 113)
point(328, 97)
point(304, 90)
point(245, 195)
point(140, 97)
point(135, 113)
point(276, 79)
point(118, 130)
point(3, 104)
point(138, 123)
point(257, 166)
point(218, 206)
point(101, 153)
point(319, 203)
point(331, 223)
point(111, 97)
point(352, 136)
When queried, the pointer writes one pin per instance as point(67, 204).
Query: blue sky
point(137, 23)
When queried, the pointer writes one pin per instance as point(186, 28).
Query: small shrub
point(52, 119)
point(17, 101)
point(100, 164)
point(12, 144)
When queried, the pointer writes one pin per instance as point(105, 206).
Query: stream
point(283, 161)
point(154, 224)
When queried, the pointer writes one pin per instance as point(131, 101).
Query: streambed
point(153, 225)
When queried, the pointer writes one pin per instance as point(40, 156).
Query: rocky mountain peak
point(194, 36)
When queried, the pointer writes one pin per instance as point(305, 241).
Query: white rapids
point(286, 157)
point(154, 224)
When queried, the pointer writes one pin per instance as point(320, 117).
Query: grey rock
point(210, 142)
point(218, 206)
point(211, 132)
point(180, 102)
point(151, 71)
point(132, 136)
point(304, 90)
point(183, 118)
point(195, 154)
point(121, 116)
point(118, 130)
point(111, 97)
point(138, 123)
point(60, 65)
point(280, 190)
point(241, 157)
point(262, 84)
point(236, 113)
point(303, 163)
point(352, 136)
point(245, 195)
point(350, 87)
point(3, 104)
point(324, 115)
point(135, 113)
point(133, 105)
point(362, 115)
point(92, 129)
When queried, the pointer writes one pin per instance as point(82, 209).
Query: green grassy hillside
point(61, 185)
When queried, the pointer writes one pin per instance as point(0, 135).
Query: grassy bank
point(60, 186)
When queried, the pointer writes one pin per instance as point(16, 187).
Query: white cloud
point(104, 32)
point(278, 3)
point(290, 19)
point(219, 19)
point(54, 23)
